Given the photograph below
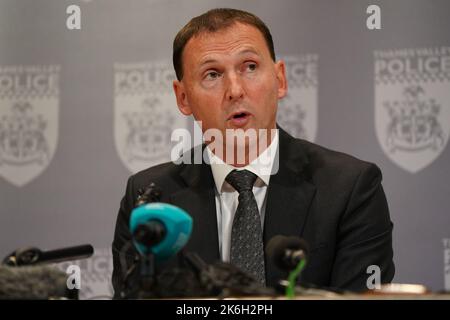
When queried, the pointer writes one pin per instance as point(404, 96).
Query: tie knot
point(242, 180)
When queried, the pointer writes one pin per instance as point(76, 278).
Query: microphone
point(289, 254)
point(34, 256)
point(160, 229)
point(34, 282)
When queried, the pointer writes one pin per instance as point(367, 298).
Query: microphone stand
point(147, 275)
point(147, 270)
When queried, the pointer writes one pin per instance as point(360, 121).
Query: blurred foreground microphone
point(160, 229)
point(288, 254)
point(23, 275)
point(34, 256)
point(34, 282)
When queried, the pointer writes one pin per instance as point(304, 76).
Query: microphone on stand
point(289, 254)
point(159, 231)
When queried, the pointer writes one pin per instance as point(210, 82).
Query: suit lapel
point(289, 196)
point(198, 200)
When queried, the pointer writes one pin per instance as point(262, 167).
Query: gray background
point(75, 200)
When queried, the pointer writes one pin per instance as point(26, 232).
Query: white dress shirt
point(227, 197)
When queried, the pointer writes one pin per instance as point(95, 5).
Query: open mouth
point(239, 115)
point(239, 119)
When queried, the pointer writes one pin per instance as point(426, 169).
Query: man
point(228, 78)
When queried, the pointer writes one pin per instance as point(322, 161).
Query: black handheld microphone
point(34, 256)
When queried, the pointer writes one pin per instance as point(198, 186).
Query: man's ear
point(280, 70)
point(182, 100)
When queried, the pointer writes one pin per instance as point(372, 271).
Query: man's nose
point(235, 89)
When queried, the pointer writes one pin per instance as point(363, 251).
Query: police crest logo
point(29, 106)
point(145, 113)
point(412, 109)
point(297, 112)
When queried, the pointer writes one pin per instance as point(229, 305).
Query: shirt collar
point(220, 169)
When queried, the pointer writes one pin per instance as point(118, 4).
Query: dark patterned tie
point(247, 252)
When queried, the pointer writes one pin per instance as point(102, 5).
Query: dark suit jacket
point(332, 200)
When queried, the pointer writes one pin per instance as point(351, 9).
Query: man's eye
point(211, 75)
point(251, 66)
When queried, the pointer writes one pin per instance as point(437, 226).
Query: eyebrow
point(245, 51)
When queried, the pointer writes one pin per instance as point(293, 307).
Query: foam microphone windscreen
point(34, 282)
point(277, 246)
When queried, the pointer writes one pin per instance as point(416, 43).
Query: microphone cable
point(292, 279)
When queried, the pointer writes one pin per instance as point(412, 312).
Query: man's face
point(230, 80)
